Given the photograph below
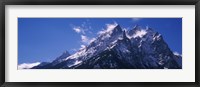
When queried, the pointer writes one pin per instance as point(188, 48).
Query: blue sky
point(44, 39)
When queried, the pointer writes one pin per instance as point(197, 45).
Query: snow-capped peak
point(61, 57)
point(109, 27)
point(139, 33)
point(133, 31)
point(110, 34)
point(66, 53)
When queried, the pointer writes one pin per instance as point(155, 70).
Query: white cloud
point(109, 27)
point(77, 29)
point(83, 28)
point(136, 19)
point(27, 65)
point(139, 33)
point(84, 39)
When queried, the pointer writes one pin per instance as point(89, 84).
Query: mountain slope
point(47, 65)
point(121, 49)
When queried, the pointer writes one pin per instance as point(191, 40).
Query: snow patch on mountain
point(92, 39)
point(177, 54)
point(75, 63)
point(139, 33)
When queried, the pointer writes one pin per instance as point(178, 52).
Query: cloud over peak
point(109, 27)
point(77, 29)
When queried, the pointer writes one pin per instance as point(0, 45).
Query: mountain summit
point(121, 49)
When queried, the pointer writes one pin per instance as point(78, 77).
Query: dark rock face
point(120, 49)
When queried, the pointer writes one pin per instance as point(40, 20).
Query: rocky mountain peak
point(134, 49)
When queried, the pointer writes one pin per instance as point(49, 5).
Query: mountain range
point(119, 48)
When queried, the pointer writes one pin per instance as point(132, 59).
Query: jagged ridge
point(121, 49)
